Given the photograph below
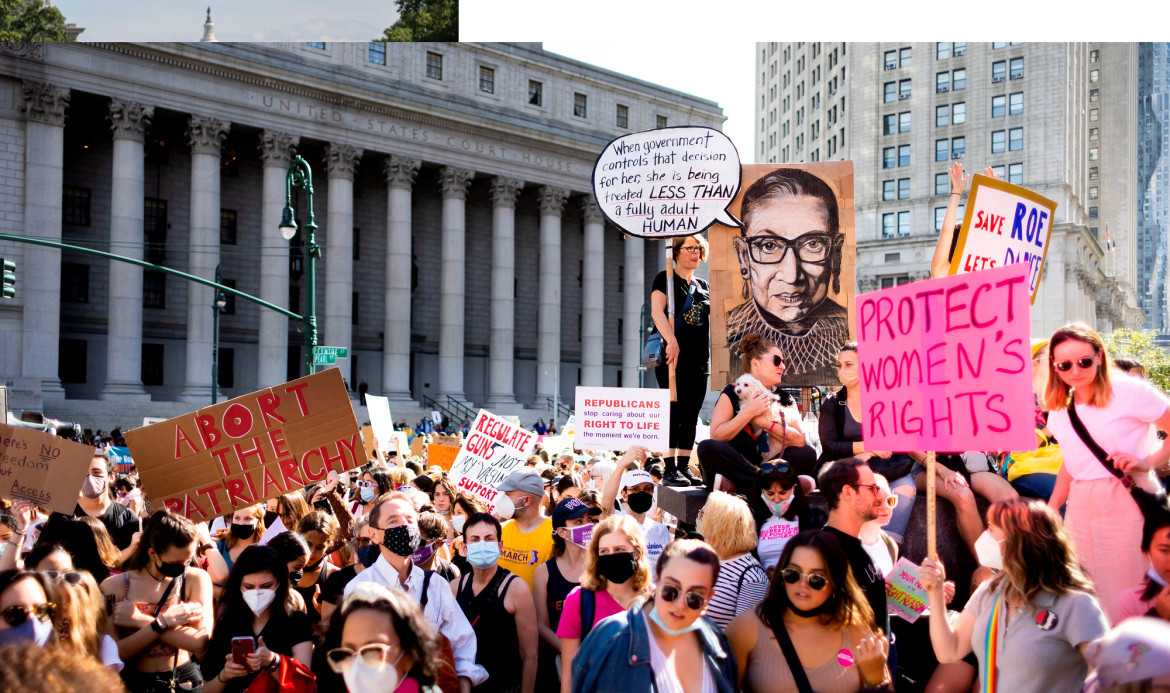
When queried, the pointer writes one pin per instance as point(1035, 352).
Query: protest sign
point(668, 182)
point(570, 427)
point(455, 441)
point(442, 455)
point(42, 468)
point(615, 418)
point(418, 446)
point(1004, 224)
point(149, 420)
point(380, 420)
point(237, 453)
point(493, 449)
point(120, 456)
point(945, 364)
point(398, 444)
point(437, 418)
point(555, 445)
point(786, 275)
point(905, 595)
point(370, 443)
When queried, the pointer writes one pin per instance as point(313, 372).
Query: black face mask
point(312, 567)
point(402, 541)
point(367, 554)
point(296, 577)
point(170, 570)
point(617, 567)
point(323, 506)
point(270, 518)
point(828, 607)
point(640, 502)
point(243, 531)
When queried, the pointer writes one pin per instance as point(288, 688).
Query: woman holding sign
point(688, 349)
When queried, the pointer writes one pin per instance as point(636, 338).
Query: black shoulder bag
point(794, 665)
point(1097, 450)
point(654, 351)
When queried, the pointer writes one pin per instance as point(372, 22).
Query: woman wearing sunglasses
point(741, 431)
point(1120, 417)
point(378, 642)
point(373, 483)
point(811, 633)
point(27, 608)
point(666, 644)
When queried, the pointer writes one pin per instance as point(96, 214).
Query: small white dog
point(748, 386)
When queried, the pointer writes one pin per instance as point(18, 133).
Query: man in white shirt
point(637, 494)
point(394, 525)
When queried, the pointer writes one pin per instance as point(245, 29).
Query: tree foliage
point(1140, 346)
point(425, 20)
point(31, 21)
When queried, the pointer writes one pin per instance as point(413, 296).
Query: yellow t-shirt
point(523, 552)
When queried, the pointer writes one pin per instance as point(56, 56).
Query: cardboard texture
point(42, 468)
point(811, 331)
point(240, 452)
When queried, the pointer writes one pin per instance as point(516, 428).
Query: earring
point(746, 291)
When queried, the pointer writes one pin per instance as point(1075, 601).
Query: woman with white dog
point(746, 431)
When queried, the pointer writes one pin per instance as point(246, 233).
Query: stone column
point(548, 320)
point(205, 135)
point(593, 301)
point(129, 121)
point(400, 175)
point(276, 152)
point(39, 287)
point(502, 353)
point(454, 182)
point(635, 290)
point(340, 162)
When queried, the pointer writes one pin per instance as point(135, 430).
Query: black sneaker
point(673, 478)
point(690, 476)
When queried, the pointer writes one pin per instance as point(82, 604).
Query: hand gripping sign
point(493, 449)
point(1004, 224)
point(668, 182)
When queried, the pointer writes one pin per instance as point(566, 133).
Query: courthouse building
point(464, 255)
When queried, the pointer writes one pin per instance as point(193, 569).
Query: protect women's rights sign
point(614, 418)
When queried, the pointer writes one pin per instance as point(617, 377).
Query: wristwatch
point(157, 626)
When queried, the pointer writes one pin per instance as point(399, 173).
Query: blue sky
point(235, 20)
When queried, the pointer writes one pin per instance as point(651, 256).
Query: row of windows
point(73, 353)
point(956, 113)
point(945, 81)
point(899, 189)
point(942, 51)
point(897, 58)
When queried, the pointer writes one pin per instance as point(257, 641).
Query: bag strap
point(1094, 448)
point(422, 602)
point(794, 665)
point(588, 611)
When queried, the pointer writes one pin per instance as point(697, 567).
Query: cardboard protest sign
point(787, 273)
point(668, 182)
point(905, 595)
point(370, 443)
point(442, 455)
point(398, 444)
point(418, 446)
point(945, 364)
point(380, 420)
point(494, 447)
point(615, 418)
point(42, 468)
point(240, 452)
point(1004, 224)
point(455, 441)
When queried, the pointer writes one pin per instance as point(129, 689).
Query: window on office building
point(942, 82)
point(998, 141)
point(959, 113)
point(958, 147)
point(904, 121)
point(904, 155)
point(579, 105)
point(942, 51)
point(319, 45)
point(889, 190)
point(941, 183)
point(154, 289)
point(1094, 75)
point(154, 226)
point(1015, 139)
point(998, 71)
point(75, 206)
point(74, 282)
point(1094, 95)
point(622, 117)
point(890, 60)
point(1000, 171)
point(660, 121)
point(1016, 174)
point(903, 188)
point(941, 149)
point(903, 223)
point(1016, 103)
point(904, 57)
point(1017, 68)
point(889, 224)
point(889, 124)
point(959, 80)
point(959, 48)
point(904, 89)
point(377, 53)
point(942, 116)
point(535, 93)
point(434, 66)
point(227, 227)
point(939, 214)
point(487, 80)
point(998, 106)
point(889, 157)
point(889, 92)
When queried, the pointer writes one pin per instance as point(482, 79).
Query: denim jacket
point(615, 656)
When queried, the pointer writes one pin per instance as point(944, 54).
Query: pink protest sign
point(945, 363)
point(905, 595)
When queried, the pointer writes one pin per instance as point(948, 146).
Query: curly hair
point(632, 531)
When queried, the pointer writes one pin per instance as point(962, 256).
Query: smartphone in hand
point(241, 648)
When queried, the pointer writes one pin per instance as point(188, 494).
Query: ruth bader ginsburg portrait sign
point(788, 273)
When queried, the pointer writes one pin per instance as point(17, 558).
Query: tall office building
point(1057, 118)
point(1153, 237)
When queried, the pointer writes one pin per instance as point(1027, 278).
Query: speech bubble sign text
point(668, 182)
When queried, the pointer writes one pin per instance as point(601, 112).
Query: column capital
point(590, 212)
point(341, 160)
point(505, 191)
point(455, 181)
point(45, 102)
point(552, 200)
point(205, 134)
point(401, 171)
point(278, 148)
point(129, 119)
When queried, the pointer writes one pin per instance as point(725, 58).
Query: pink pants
point(1106, 529)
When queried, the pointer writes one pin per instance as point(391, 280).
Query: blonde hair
point(728, 525)
point(1038, 553)
point(293, 505)
point(631, 530)
point(1056, 394)
point(677, 243)
point(398, 476)
point(82, 620)
point(257, 511)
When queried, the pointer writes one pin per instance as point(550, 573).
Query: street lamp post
point(217, 307)
point(300, 175)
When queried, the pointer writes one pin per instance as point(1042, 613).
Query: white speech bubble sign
point(668, 182)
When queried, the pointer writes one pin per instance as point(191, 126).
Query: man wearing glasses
point(789, 257)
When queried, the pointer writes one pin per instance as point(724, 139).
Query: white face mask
point(361, 678)
point(457, 523)
point(988, 551)
point(93, 486)
point(505, 508)
point(259, 600)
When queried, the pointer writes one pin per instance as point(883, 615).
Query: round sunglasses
point(1081, 363)
point(17, 614)
point(814, 581)
point(692, 599)
point(373, 655)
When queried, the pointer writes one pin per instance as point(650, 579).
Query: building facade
point(1057, 118)
point(464, 256)
point(1154, 184)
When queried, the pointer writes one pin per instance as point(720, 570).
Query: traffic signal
point(8, 286)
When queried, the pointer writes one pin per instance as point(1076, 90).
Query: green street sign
point(328, 355)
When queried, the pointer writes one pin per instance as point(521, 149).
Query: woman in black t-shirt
point(688, 349)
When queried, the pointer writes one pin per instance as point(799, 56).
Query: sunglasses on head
point(1082, 363)
point(693, 600)
point(16, 615)
point(814, 581)
point(780, 467)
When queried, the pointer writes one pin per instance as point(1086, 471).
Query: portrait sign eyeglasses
point(814, 247)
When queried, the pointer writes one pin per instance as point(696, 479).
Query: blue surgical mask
point(32, 630)
point(658, 621)
point(368, 494)
point(483, 554)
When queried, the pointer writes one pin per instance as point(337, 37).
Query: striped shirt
point(741, 585)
